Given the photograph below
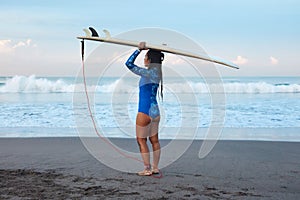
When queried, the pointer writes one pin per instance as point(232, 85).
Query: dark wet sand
point(61, 168)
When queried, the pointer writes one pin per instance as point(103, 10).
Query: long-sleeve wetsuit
point(148, 85)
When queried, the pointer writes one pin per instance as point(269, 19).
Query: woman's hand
point(142, 46)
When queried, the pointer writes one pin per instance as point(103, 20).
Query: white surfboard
point(91, 34)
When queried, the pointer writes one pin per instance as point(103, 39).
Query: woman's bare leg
point(142, 132)
point(155, 142)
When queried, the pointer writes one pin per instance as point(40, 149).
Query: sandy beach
point(61, 168)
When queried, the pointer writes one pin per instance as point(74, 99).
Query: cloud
point(8, 46)
point(274, 61)
point(240, 60)
point(5, 46)
point(171, 59)
point(22, 44)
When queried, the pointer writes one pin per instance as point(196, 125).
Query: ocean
point(256, 108)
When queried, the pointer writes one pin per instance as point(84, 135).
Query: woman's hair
point(156, 57)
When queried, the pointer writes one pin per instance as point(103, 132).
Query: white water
point(32, 84)
point(33, 107)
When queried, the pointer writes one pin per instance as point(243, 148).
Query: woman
point(148, 117)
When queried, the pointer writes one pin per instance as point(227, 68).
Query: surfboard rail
point(108, 39)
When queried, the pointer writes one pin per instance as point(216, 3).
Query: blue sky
point(39, 37)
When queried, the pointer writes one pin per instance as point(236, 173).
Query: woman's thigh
point(154, 126)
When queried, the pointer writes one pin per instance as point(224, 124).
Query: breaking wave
point(33, 84)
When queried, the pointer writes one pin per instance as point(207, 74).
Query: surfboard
point(91, 34)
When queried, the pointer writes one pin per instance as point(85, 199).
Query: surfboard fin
point(87, 32)
point(94, 32)
point(107, 33)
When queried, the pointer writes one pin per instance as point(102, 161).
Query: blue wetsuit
point(148, 86)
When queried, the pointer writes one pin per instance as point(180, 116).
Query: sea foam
point(33, 84)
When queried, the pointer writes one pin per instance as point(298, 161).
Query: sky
point(262, 37)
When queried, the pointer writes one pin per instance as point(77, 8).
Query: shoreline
point(290, 134)
point(118, 138)
point(62, 168)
